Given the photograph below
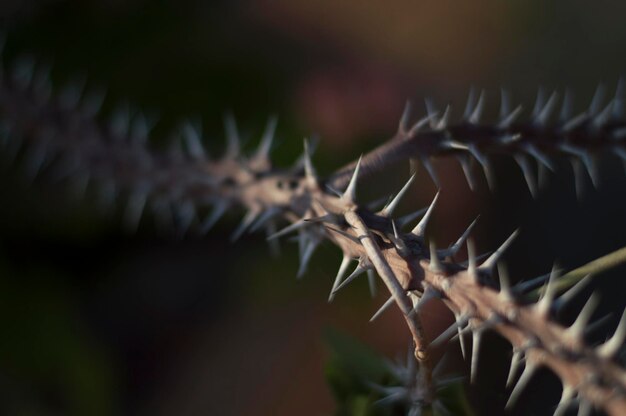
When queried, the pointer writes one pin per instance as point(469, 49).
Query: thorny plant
point(61, 132)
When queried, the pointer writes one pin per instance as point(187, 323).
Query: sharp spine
point(343, 267)
point(350, 193)
point(391, 207)
point(577, 329)
point(611, 347)
point(383, 308)
point(524, 379)
point(490, 264)
point(420, 228)
point(516, 360)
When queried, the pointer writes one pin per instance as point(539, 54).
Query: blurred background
point(98, 321)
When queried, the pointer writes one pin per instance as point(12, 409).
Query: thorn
point(265, 146)
point(431, 170)
point(611, 347)
point(435, 265)
point(471, 258)
point(584, 408)
point(429, 294)
point(307, 253)
point(420, 228)
point(309, 169)
point(391, 207)
point(461, 322)
point(470, 104)
point(288, 229)
point(575, 122)
point(516, 360)
point(219, 209)
point(604, 116)
point(403, 126)
point(571, 293)
point(444, 120)
point(431, 112)
point(371, 281)
point(343, 267)
point(478, 110)
point(489, 264)
point(539, 102)
point(357, 272)
point(476, 340)
point(523, 287)
point(192, 138)
point(577, 329)
point(577, 168)
point(344, 234)
point(534, 152)
point(419, 125)
point(350, 194)
point(383, 308)
point(233, 146)
point(544, 114)
point(264, 217)
point(566, 107)
point(402, 221)
point(467, 171)
point(524, 165)
point(565, 401)
point(524, 379)
point(505, 103)
point(596, 101)
point(545, 303)
point(446, 335)
point(505, 282)
point(270, 229)
point(246, 222)
point(506, 122)
point(484, 162)
point(453, 249)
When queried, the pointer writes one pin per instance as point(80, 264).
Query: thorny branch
point(61, 132)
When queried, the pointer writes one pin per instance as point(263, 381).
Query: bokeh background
point(98, 321)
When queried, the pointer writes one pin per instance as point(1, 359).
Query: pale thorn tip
point(383, 308)
point(219, 209)
point(566, 398)
point(350, 193)
point(309, 169)
point(611, 347)
point(343, 267)
point(505, 281)
point(445, 335)
point(490, 264)
point(444, 120)
point(288, 229)
point(435, 265)
point(371, 281)
point(476, 343)
point(265, 146)
point(527, 171)
point(542, 117)
point(464, 161)
point(507, 121)
point(577, 329)
point(403, 125)
point(307, 253)
point(471, 258)
point(420, 228)
point(516, 361)
point(474, 118)
point(431, 111)
point(246, 222)
point(571, 293)
point(470, 103)
point(454, 248)
point(357, 272)
point(402, 221)
point(521, 384)
point(428, 165)
point(545, 303)
point(429, 294)
point(388, 210)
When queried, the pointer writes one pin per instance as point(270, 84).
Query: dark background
point(97, 321)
